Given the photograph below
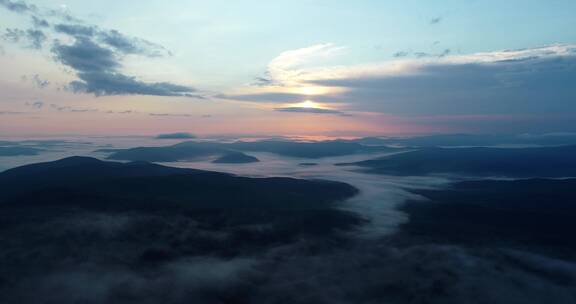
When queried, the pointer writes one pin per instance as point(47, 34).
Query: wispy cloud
point(435, 20)
point(72, 109)
point(169, 115)
point(309, 110)
point(11, 113)
point(35, 104)
point(31, 38)
point(36, 80)
point(95, 54)
point(18, 6)
point(284, 69)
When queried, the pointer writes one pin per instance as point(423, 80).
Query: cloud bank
point(532, 85)
point(95, 55)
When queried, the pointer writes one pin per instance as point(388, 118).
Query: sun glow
point(313, 90)
point(308, 104)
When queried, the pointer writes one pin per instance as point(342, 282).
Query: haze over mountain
point(518, 162)
point(193, 150)
point(473, 140)
point(15, 151)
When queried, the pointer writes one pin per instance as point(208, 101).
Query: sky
point(300, 67)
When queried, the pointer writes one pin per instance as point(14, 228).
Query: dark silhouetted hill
point(236, 158)
point(538, 213)
point(189, 188)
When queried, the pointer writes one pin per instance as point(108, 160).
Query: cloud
point(528, 81)
point(279, 97)
point(308, 110)
point(35, 104)
point(97, 67)
point(128, 45)
point(435, 20)
point(121, 112)
point(71, 109)
point(169, 115)
point(75, 29)
point(39, 22)
point(95, 54)
point(114, 39)
point(18, 6)
point(401, 54)
point(36, 80)
point(34, 38)
point(439, 91)
point(283, 69)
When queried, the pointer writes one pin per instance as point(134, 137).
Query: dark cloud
point(13, 35)
point(41, 83)
point(86, 56)
point(18, 6)
point(539, 84)
point(113, 39)
point(97, 67)
point(34, 38)
point(36, 80)
point(35, 104)
point(308, 110)
point(71, 109)
point(444, 53)
point(262, 82)
point(95, 55)
point(37, 13)
point(169, 115)
point(265, 97)
point(436, 20)
point(421, 54)
point(121, 112)
point(39, 22)
point(401, 54)
point(129, 45)
point(75, 29)
point(265, 80)
point(101, 84)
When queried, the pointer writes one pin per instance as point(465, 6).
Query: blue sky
point(219, 48)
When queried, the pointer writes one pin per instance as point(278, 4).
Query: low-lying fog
point(374, 270)
point(379, 194)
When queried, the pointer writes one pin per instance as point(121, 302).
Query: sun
point(308, 104)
